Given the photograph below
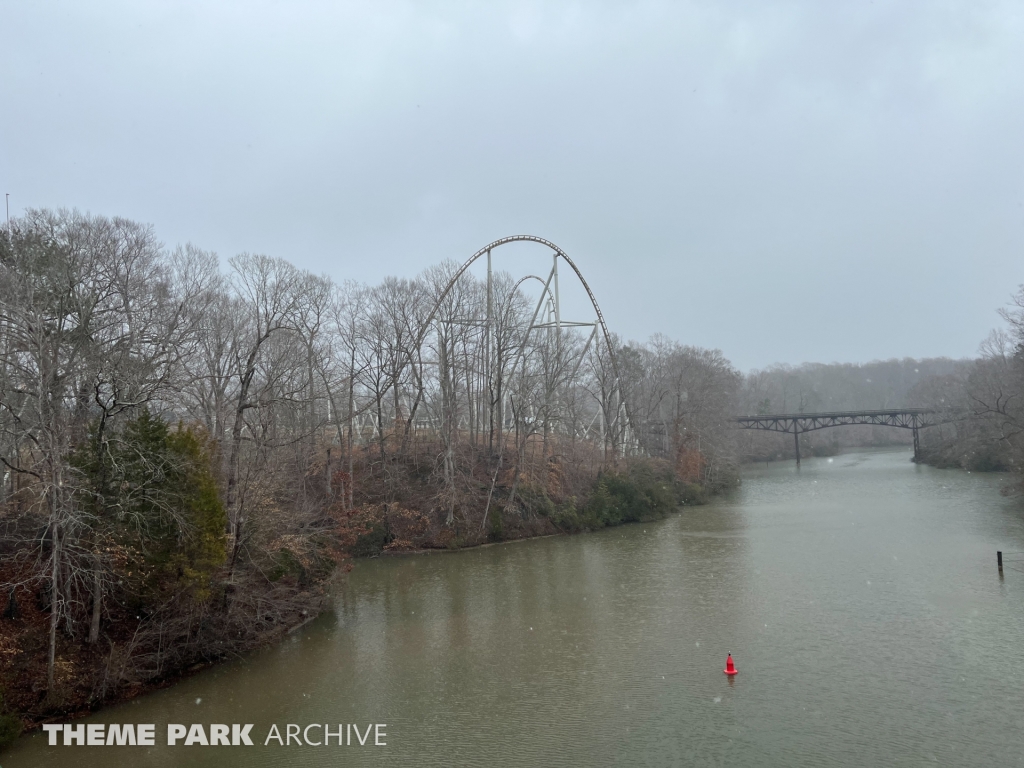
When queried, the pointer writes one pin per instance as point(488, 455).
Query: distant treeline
point(979, 403)
point(821, 387)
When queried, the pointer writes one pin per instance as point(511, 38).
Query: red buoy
point(729, 668)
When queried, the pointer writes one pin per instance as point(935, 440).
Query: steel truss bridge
point(903, 418)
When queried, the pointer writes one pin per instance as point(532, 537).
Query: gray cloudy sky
point(786, 181)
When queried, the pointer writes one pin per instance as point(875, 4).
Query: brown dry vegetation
point(188, 457)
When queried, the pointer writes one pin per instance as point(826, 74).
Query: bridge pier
point(904, 418)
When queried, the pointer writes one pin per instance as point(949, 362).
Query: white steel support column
point(558, 310)
point(615, 421)
point(488, 382)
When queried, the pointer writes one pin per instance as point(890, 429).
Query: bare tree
point(268, 296)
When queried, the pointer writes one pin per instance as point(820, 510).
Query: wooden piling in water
point(999, 561)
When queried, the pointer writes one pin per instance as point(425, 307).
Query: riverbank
point(608, 649)
point(639, 490)
point(633, 490)
point(24, 666)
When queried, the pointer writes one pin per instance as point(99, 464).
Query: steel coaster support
point(558, 252)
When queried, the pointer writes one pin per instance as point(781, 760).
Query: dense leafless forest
point(191, 449)
point(982, 403)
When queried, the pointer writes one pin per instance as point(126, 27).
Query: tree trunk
point(97, 599)
point(232, 490)
point(351, 416)
point(329, 491)
point(312, 399)
point(51, 657)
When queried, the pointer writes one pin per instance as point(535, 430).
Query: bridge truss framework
point(902, 418)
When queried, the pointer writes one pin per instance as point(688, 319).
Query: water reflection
point(859, 598)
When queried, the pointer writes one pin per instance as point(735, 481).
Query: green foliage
point(989, 458)
point(496, 525)
point(642, 491)
point(691, 494)
point(373, 540)
point(202, 550)
point(536, 501)
point(159, 516)
point(285, 562)
point(10, 725)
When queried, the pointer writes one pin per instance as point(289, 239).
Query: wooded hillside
point(190, 448)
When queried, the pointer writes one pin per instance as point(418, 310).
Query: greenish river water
point(859, 597)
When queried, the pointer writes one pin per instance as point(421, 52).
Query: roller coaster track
point(628, 432)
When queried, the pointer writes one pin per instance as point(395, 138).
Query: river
point(859, 597)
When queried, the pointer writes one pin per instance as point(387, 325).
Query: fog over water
point(786, 181)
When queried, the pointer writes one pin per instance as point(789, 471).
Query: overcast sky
point(785, 181)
